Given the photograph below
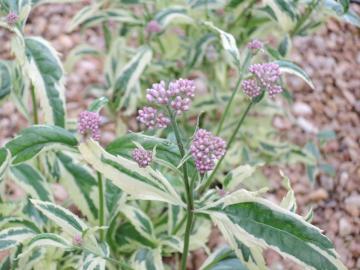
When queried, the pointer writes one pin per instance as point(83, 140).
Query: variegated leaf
point(207, 4)
point(263, 223)
point(140, 221)
point(98, 104)
point(291, 68)
point(31, 181)
point(199, 49)
point(5, 160)
point(10, 237)
point(222, 258)
point(35, 139)
point(62, 217)
point(43, 66)
point(5, 80)
point(147, 259)
point(45, 240)
point(92, 262)
point(171, 14)
point(130, 75)
point(80, 183)
point(140, 183)
point(229, 44)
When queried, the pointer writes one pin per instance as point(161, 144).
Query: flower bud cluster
point(265, 76)
point(12, 18)
point(177, 95)
point(152, 118)
point(206, 149)
point(89, 124)
point(142, 157)
point(255, 45)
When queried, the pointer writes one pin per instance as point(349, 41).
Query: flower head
point(77, 240)
point(181, 92)
point(142, 157)
point(89, 123)
point(157, 93)
point(274, 90)
point(205, 149)
point(12, 18)
point(153, 27)
point(255, 45)
point(178, 95)
point(152, 118)
point(251, 88)
point(267, 73)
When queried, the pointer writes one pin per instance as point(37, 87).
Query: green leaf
point(326, 135)
point(222, 259)
point(147, 259)
point(61, 216)
point(45, 71)
point(5, 160)
point(129, 76)
point(141, 222)
point(199, 49)
point(207, 4)
point(125, 235)
point(45, 240)
point(98, 104)
point(165, 149)
point(35, 139)
point(32, 181)
point(271, 226)
point(289, 67)
point(92, 262)
point(140, 183)
point(351, 17)
point(5, 80)
point(235, 177)
point(229, 44)
point(14, 221)
point(171, 14)
point(80, 183)
point(345, 4)
point(10, 237)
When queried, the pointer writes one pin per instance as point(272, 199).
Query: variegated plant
point(158, 192)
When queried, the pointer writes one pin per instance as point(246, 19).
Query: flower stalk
point(188, 191)
point(209, 180)
point(101, 205)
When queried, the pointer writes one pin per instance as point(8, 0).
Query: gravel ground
point(332, 59)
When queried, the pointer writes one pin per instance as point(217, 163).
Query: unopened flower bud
point(12, 18)
point(142, 157)
point(89, 124)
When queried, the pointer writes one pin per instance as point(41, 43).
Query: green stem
point(189, 193)
point(101, 205)
point(231, 140)
point(228, 105)
point(34, 105)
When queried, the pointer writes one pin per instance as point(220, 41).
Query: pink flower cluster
point(152, 118)
point(12, 18)
point(142, 157)
point(89, 123)
point(255, 45)
point(153, 27)
point(205, 149)
point(178, 95)
point(266, 76)
point(77, 240)
point(251, 88)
